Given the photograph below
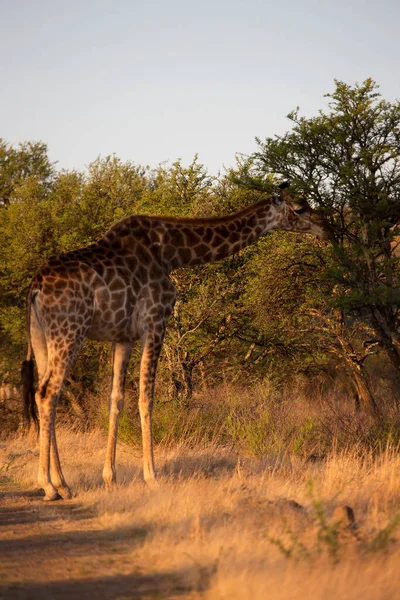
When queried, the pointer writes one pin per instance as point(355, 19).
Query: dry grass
point(265, 419)
point(219, 526)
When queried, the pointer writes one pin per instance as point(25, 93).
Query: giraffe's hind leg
point(57, 476)
point(47, 396)
point(46, 400)
point(39, 346)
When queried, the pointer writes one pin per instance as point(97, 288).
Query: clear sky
point(156, 80)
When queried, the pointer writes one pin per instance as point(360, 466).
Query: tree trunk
point(355, 367)
point(203, 376)
point(186, 379)
point(364, 396)
point(389, 336)
point(180, 374)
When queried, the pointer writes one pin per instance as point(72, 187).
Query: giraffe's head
point(297, 215)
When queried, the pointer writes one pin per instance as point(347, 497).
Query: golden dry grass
point(218, 526)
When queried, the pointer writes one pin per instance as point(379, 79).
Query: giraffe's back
point(108, 289)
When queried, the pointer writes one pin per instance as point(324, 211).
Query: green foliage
point(293, 549)
point(347, 162)
point(179, 191)
point(252, 433)
point(306, 433)
point(28, 161)
point(332, 536)
point(286, 305)
point(384, 538)
point(327, 530)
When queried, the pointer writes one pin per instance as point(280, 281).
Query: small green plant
point(384, 538)
point(294, 549)
point(327, 533)
point(305, 433)
point(249, 430)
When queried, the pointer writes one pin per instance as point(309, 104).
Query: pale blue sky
point(157, 80)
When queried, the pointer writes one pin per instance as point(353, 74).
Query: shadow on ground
point(207, 465)
point(23, 515)
point(157, 585)
point(75, 543)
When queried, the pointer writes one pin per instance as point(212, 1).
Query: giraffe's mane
point(195, 220)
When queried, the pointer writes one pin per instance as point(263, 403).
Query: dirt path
point(59, 551)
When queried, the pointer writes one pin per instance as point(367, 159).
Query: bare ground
point(217, 527)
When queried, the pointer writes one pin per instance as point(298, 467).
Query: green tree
point(29, 160)
point(48, 213)
point(186, 191)
point(292, 323)
point(26, 175)
point(178, 191)
point(347, 162)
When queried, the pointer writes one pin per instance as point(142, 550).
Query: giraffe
point(118, 289)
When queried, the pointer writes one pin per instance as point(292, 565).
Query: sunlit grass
point(233, 526)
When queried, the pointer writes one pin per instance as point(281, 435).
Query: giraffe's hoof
point(65, 493)
point(110, 481)
point(110, 485)
point(153, 484)
point(52, 497)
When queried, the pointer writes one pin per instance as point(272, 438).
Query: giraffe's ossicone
point(119, 290)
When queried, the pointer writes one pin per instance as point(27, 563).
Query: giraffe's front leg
point(152, 344)
point(120, 359)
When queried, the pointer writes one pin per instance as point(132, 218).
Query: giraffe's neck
point(185, 242)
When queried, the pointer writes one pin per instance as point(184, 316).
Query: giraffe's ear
point(284, 190)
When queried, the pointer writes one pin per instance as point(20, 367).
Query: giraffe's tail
point(27, 372)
